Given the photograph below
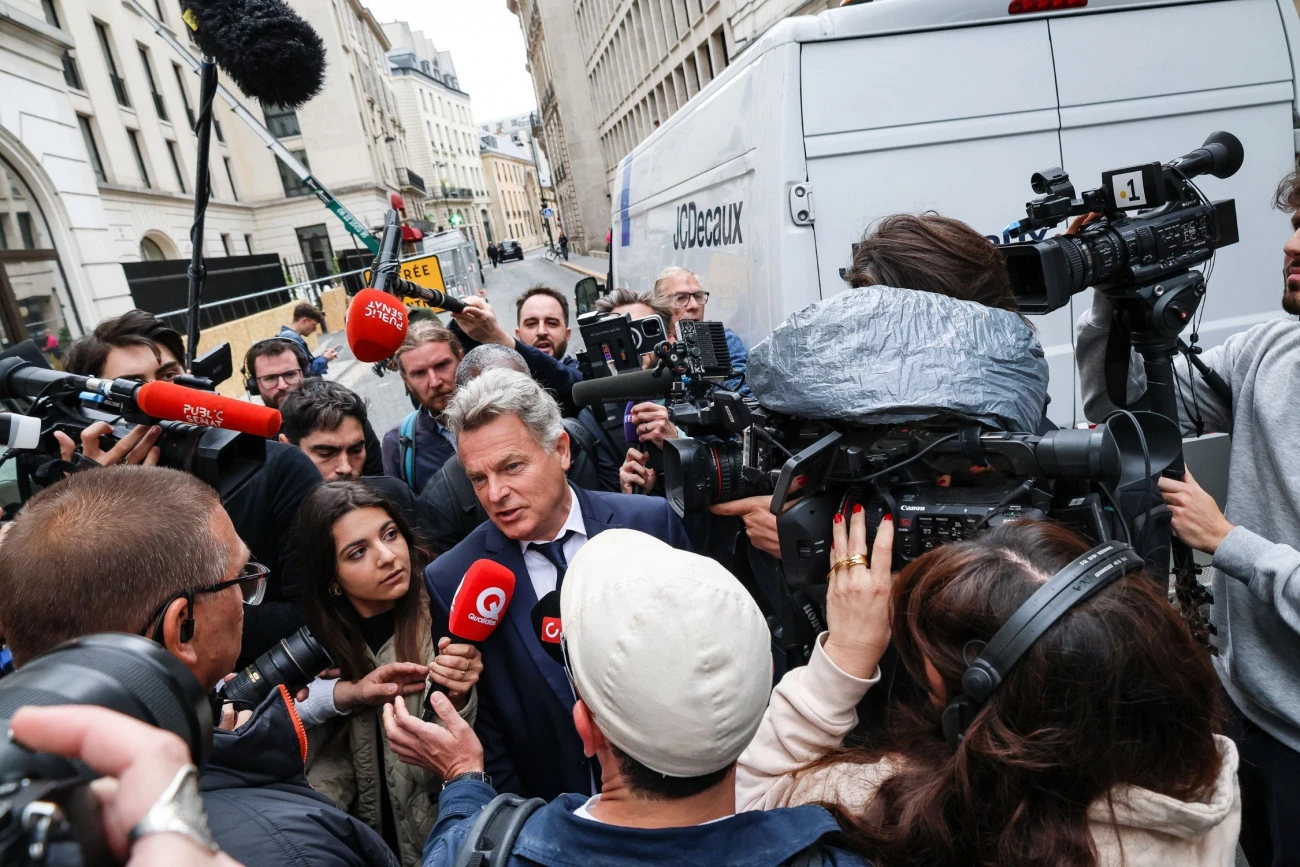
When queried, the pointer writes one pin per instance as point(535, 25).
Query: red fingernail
point(888, 516)
point(857, 509)
point(839, 517)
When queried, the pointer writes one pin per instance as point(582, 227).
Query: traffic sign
point(548, 212)
point(424, 271)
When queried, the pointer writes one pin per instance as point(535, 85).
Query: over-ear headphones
point(282, 344)
point(1073, 585)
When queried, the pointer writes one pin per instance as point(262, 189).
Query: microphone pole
point(197, 271)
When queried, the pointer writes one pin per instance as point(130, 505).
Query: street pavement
point(385, 396)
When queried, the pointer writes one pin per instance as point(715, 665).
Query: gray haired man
point(515, 451)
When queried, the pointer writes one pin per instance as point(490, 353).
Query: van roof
point(895, 16)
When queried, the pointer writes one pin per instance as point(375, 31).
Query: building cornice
point(27, 26)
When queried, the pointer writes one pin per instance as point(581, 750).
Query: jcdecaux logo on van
point(708, 227)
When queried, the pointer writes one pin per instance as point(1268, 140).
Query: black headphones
point(1073, 585)
point(250, 381)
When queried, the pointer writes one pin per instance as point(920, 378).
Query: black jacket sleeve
point(374, 465)
point(450, 508)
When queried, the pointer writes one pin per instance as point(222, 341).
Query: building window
point(216, 125)
point(158, 103)
point(71, 75)
point(25, 229)
point(225, 244)
point(134, 137)
point(293, 185)
point(150, 251)
point(157, 5)
point(248, 244)
point(88, 134)
point(282, 122)
point(176, 165)
point(185, 96)
point(119, 86)
point(230, 176)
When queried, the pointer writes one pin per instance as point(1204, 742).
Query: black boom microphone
point(625, 386)
point(266, 48)
point(1221, 156)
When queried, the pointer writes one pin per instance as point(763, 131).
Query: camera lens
point(125, 673)
point(294, 661)
point(698, 474)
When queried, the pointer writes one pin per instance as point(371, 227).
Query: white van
point(763, 181)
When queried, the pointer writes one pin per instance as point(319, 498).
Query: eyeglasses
point(251, 582)
point(290, 377)
point(680, 299)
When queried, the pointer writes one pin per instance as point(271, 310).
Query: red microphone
point(171, 402)
point(480, 602)
point(376, 325)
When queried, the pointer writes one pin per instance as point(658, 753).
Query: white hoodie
point(814, 707)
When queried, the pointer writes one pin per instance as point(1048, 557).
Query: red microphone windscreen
point(171, 402)
point(376, 325)
point(481, 600)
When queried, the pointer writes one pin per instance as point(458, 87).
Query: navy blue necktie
point(554, 552)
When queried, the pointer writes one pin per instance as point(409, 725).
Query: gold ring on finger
point(851, 560)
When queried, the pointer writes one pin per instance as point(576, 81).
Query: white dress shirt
point(542, 571)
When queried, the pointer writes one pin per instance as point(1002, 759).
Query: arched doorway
point(155, 247)
point(34, 296)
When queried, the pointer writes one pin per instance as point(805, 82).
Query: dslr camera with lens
point(293, 661)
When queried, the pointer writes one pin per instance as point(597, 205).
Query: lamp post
point(535, 124)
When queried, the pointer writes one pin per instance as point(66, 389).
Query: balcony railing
point(454, 194)
point(408, 178)
point(71, 76)
point(119, 90)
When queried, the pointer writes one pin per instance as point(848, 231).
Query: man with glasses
point(138, 345)
point(680, 289)
point(151, 551)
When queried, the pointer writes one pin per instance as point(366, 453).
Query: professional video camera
point(221, 441)
point(46, 805)
point(1152, 227)
point(944, 480)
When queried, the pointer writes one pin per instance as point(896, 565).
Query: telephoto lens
point(45, 804)
point(294, 661)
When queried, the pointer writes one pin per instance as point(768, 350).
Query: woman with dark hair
point(1098, 748)
point(367, 605)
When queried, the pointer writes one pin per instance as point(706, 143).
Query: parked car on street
point(511, 250)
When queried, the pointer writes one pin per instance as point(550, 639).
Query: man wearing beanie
point(671, 663)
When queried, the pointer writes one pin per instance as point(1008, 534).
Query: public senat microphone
point(479, 604)
point(376, 325)
point(171, 402)
point(266, 48)
point(625, 386)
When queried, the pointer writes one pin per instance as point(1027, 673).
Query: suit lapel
point(506, 552)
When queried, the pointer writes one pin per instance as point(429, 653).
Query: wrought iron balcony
point(408, 178)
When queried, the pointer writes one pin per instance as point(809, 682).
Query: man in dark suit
point(515, 451)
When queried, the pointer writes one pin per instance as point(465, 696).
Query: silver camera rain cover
point(880, 355)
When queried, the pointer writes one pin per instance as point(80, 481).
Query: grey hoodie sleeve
point(1270, 570)
point(1091, 333)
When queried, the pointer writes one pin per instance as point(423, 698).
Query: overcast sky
point(485, 42)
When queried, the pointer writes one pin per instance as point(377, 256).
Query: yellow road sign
point(425, 272)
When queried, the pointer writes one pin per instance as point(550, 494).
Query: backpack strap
point(406, 446)
point(492, 836)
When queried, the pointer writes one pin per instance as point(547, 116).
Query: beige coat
point(346, 768)
point(814, 707)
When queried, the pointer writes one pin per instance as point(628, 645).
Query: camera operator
point(1097, 746)
point(666, 653)
point(139, 346)
point(139, 764)
point(150, 551)
point(679, 289)
point(277, 366)
point(448, 499)
point(1254, 542)
point(925, 252)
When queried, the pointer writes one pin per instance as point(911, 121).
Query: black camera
point(1175, 228)
point(45, 803)
point(226, 460)
point(293, 661)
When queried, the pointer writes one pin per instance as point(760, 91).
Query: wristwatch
point(477, 776)
point(178, 810)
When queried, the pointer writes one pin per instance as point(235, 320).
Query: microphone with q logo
point(477, 608)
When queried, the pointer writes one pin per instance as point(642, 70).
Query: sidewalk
point(587, 266)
